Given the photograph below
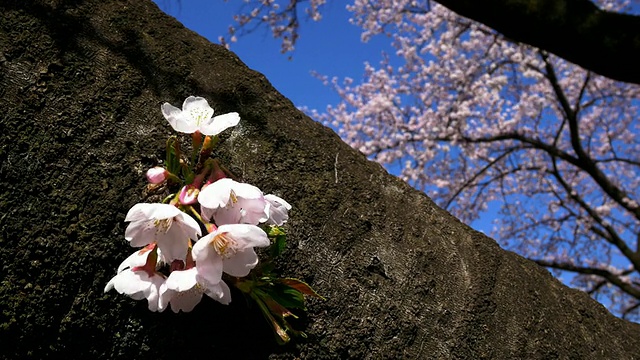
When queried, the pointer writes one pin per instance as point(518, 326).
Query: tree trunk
point(81, 83)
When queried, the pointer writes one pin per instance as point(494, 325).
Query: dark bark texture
point(607, 43)
point(81, 83)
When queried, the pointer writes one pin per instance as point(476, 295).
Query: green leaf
point(287, 296)
point(278, 245)
point(173, 155)
point(278, 240)
point(187, 173)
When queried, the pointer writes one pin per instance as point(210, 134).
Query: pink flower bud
point(156, 175)
point(188, 195)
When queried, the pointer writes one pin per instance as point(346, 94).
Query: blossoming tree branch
point(477, 120)
point(176, 264)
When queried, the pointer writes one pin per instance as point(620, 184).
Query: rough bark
point(81, 83)
point(605, 42)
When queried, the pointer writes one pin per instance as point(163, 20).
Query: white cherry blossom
point(184, 288)
point(137, 280)
point(164, 224)
point(228, 249)
point(277, 209)
point(196, 115)
point(232, 202)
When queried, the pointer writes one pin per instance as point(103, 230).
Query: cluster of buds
point(176, 264)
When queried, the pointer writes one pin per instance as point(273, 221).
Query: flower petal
point(247, 191)
point(245, 235)
point(198, 111)
point(140, 233)
point(206, 213)
point(186, 301)
point(145, 211)
point(174, 244)
point(177, 119)
point(216, 194)
point(220, 123)
point(254, 211)
point(181, 291)
point(164, 297)
point(189, 226)
point(219, 292)
point(208, 261)
point(241, 263)
point(129, 282)
point(182, 280)
point(161, 211)
point(153, 292)
point(226, 215)
point(211, 270)
point(277, 210)
point(137, 212)
point(138, 258)
point(273, 198)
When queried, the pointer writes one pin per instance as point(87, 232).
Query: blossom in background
point(230, 249)
point(232, 202)
point(138, 279)
point(277, 210)
point(184, 288)
point(196, 115)
point(164, 224)
point(156, 175)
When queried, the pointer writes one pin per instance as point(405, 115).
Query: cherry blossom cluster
point(175, 264)
point(283, 20)
point(480, 122)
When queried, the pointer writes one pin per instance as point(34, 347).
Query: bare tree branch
point(584, 161)
point(606, 274)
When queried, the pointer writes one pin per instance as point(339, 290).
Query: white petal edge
point(220, 123)
point(241, 264)
point(216, 194)
point(177, 119)
point(182, 280)
point(247, 191)
point(245, 235)
point(135, 259)
point(162, 211)
point(137, 213)
point(219, 292)
point(277, 199)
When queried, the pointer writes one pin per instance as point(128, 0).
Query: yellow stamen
point(224, 245)
point(233, 197)
point(163, 225)
point(200, 115)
